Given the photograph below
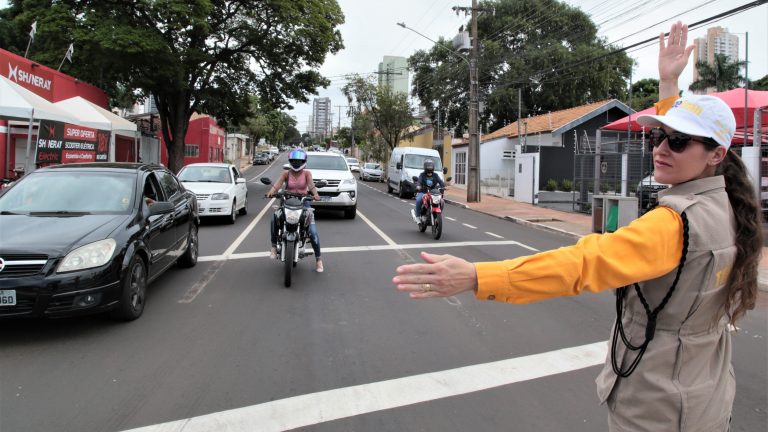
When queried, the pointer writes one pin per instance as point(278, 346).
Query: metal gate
point(611, 164)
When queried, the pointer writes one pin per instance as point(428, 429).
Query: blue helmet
point(297, 159)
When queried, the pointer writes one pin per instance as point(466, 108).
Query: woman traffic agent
point(684, 272)
point(297, 180)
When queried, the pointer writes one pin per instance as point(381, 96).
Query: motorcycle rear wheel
point(288, 262)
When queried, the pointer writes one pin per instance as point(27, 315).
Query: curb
point(520, 221)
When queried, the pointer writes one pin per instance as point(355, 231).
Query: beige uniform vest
point(685, 381)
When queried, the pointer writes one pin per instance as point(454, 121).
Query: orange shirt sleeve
point(647, 248)
point(664, 105)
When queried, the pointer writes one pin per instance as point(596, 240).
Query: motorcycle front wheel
point(437, 226)
point(288, 262)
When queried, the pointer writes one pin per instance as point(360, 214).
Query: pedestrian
point(684, 272)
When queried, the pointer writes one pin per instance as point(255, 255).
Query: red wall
point(204, 132)
point(46, 82)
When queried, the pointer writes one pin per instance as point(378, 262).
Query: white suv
point(341, 189)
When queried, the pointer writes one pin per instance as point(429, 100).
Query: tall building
point(321, 116)
point(150, 106)
point(393, 71)
point(717, 41)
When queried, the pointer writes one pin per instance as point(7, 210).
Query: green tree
point(761, 84)
point(722, 75)
point(546, 48)
point(381, 111)
point(344, 137)
point(645, 93)
point(193, 55)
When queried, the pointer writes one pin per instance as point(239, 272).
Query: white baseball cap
point(702, 116)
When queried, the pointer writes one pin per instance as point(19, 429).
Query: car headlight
point(349, 181)
point(292, 216)
point(220, 197)
point(91, 255)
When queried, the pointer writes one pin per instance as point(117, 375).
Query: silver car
point(371, 172)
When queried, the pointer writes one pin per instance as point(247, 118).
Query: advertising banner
point(61, 143)
point(27, 74)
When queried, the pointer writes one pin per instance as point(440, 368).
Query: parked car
point(341, 189)
point(371, 171)
point(261, 158)
point(647, 193)
point(219, 187)
point(84, 238)
point(354, 164)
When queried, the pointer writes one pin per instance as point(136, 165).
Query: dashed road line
point(469, 226)
point(493, 235)
point(450, 218)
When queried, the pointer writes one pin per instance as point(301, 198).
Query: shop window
point(191, 150)
point(461, 168)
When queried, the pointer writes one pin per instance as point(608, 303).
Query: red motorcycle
point(432, 204)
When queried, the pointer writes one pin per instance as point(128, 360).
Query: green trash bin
point(612, 224)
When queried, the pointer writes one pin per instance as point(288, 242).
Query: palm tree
point(723, 74)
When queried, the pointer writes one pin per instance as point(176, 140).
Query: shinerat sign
point(61, 143)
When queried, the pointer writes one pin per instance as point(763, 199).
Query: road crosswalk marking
point(315, 408)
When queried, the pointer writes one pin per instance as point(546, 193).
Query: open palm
point(674, 55)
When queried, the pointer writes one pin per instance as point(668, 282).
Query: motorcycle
point(293, 227)
point(432, 204)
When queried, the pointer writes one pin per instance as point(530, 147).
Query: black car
point(260, 159)
point(88, 238)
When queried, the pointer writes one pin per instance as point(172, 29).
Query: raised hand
point(673, 58)
point(441, 276)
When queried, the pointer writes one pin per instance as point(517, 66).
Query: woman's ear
point(717, 156)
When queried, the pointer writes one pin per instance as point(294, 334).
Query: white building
point(393, 72)
point(717, 41)
point(321, 117)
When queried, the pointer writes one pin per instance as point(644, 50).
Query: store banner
point(27, 74)
point(61, 143)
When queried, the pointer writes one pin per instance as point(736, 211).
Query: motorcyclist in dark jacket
point(428, 180)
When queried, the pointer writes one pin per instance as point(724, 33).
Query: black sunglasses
point(676, 141)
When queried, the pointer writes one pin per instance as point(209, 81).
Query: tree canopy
point(383, 113)
point(207, 56)
point(721, 75)
point(645, 93)
point(547, 49)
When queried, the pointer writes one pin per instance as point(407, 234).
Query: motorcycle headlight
point(220, 197)
point(349, 181)
point(436, 199)
point(292, 216)
point(91, 255)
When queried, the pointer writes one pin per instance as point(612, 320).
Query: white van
point(405, 163)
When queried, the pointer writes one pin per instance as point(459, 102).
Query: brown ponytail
point(742, 281)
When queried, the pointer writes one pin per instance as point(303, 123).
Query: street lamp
point(473, 180)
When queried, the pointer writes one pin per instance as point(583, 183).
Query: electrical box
point(611, 212)
point(461, 42)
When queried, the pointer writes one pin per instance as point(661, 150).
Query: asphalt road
point(224, 346)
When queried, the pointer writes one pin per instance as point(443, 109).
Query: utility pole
point(473, 171)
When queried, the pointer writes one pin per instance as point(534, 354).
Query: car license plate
point(7, 298)
point(324, 198)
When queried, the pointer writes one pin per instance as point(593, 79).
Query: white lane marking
point(191, 294)
point(248, 230)
point(402, 200)
point(315, 408)
point(376, 229)
point(450, 218)
point(469, 226)
point(386, 247)
point(493, 235)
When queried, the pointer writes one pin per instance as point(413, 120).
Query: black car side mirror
point(160, 207)
point(415, 179)
point(399, 165)
point(445, 170)
point(265, 180)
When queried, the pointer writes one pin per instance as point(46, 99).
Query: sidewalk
point(574, 225)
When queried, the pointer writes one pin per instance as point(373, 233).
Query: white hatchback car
point(341, 189)
point(220, 189)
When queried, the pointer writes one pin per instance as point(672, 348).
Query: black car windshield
point(73, 192)
point(207, 174)
point(333, 163)
point(417, 161)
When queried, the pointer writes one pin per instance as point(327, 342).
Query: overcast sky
point(371, 32)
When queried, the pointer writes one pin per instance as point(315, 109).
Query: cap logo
point(693, 108)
